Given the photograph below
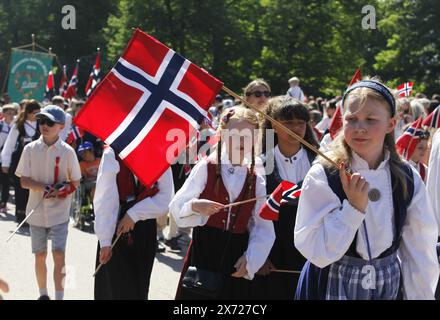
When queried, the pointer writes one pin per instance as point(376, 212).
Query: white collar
point(297, 156)
point(359, 163)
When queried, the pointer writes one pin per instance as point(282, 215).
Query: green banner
point(28, 74)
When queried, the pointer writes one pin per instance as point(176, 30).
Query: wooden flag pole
point(281, 126)
point(285, 271)
point(235, 204)
point(113, 244)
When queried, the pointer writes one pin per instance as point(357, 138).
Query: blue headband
point(376, 86)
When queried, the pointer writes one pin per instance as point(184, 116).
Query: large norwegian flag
point(407, 142)
point(149, 93)
point(433, 119)
point(405, 89)
point(63, 82)
point(95, 76)
point(71, 89)
point(285, 192)
point(50, 87)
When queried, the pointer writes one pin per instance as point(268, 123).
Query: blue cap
point(54, 113)
point(85, 146)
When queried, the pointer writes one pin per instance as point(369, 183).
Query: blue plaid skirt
point(353, 278)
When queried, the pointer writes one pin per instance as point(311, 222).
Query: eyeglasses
point(46, 121)
point(259, 93)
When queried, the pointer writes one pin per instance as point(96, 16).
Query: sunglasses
point(259, 94)
point(46, 121)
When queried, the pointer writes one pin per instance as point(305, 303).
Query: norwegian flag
point(74, 134)
point(63, 82)
point(285, 192)
point(336, 122)
point(405, 89)
point(71, 89)
point(149, 92)
point(356, 77)
point(95, 76)
point(433, 119)
point(50, 87)
point(407, 142)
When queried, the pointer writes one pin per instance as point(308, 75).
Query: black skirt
point(206, 251)
point(127, 274)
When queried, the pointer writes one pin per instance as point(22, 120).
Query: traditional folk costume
point(220, 240)
point(387, 253)
point(284, 255)
point(118, 192)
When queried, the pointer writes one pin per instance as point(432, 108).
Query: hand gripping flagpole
point(113, 244)
point(283, 128)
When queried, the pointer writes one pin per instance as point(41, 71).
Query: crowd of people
point(366, 225)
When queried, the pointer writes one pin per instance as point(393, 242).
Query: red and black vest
point(129, 190)
point(240, 214)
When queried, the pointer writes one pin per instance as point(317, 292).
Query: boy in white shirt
point(49, 168)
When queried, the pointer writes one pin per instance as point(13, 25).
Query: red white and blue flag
point(149, 93)
point(405, 89)
point(63, 82)
point(286, 192)
point(433, 119)
point(95, 76)
point(50, 87)
point(71, 89)
point(74, 134)
point(407, 142)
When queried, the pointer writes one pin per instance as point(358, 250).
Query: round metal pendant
point(374, 195)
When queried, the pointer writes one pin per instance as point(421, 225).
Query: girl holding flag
point(230, 243)
point(288, 160)
point(371, 235)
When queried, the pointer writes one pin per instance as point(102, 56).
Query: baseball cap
point(85, 146)
point(54, 113)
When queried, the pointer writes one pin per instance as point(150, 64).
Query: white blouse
point(106, 200)
point(292, 169)
point(261, 232)
point(433, 178)
point(11, 140)
point(325, 228)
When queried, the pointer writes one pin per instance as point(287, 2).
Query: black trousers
point(126, 276)
point(21, 198)
point(4, 181)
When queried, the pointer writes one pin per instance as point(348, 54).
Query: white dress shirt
point(11, 140)
point(292, 169)
point(433, 180)
point(38, 163)
point(296, 93)
point(261, 232)
point(67, 127)
point(325, 228)
point(4, 133)
point(106, 200)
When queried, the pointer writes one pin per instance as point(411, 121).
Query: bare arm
point(28, 183)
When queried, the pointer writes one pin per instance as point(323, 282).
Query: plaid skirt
point(353, 278)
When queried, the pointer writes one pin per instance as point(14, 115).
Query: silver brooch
point(374, 194)
point(231, 170)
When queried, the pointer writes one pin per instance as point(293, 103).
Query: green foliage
point(322, 42)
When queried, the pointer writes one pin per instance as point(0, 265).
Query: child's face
point(9, 115)
point(50, 132)
point(298, 126)
point(257, 96)
point(239, 137)
point(365, 126)
point(88, 155)
point(420, 151)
